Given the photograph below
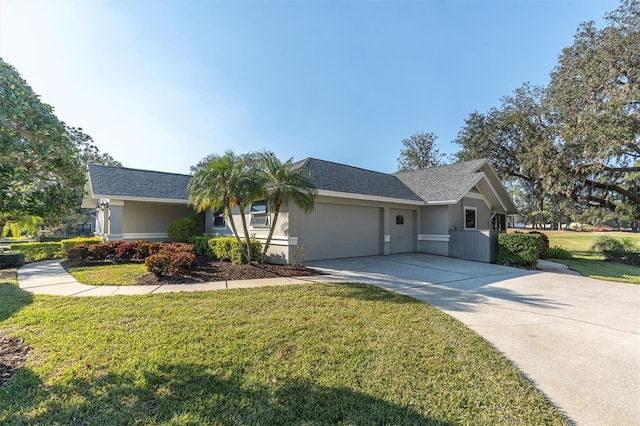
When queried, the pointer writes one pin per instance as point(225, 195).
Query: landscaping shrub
point(157, 263)
point(202, 247)
point(34, 252)
point(171, 260)
point(184, 228)
point(519, 249)
point(67, 244)
point(11, 259)
point(544, 244)
point(622, 250)
point(227, 249)
point(78, 252)
point(50, 239)
point(605, 242)
point(103, 251)
point(126, 251)
point(221, 247)
point(557, 252)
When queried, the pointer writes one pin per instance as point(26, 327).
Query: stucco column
point(386, 231)
point(114, 227)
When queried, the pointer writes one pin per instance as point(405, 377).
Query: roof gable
point(122, 182)
point(448, 184)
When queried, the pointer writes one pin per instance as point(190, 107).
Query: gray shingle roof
point(124, 182)
point(434, 185)
point(353, 180)
point(443, 183)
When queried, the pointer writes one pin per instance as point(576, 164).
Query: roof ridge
point(442, 166)
point(351, 167)
point(138, 170)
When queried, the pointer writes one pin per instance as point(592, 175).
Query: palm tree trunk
point(233, 226)
point(272, 228)
point(247, 250)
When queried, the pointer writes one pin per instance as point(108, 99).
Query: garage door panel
point(335, 230)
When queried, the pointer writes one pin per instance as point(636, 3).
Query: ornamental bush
point(34, 252)
point(202, 247)
point(519, 249)
point(67, 244)
point(171, 260)
point(544, 244)
point(11, 259)
point(78, 252)
point(184, 228)
point(227, 249)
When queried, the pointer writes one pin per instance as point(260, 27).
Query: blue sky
point(161, 84)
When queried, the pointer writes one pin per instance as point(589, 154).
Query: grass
point(313, 354)
point(121, 274)
point(592, 264)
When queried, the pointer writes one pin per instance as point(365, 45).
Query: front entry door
point(402, 231)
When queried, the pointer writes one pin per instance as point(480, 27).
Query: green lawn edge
point(309, 354)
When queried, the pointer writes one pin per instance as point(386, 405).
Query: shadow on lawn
point(12, 297)
point(187, 393)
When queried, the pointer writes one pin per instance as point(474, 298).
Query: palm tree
point(282, 185)
point(215, 186)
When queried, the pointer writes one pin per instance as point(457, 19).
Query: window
point(218, 219)
point(470, 221)
point(399, 220)
point(259, 214)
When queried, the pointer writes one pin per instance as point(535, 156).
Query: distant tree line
point(570, 150)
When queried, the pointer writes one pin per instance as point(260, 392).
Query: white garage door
point(334, 231)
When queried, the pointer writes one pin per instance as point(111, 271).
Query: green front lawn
point(312, 354)
point(120, 274)
point(592, 264)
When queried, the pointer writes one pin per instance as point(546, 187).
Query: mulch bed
point(206, 270)
point(13, 355)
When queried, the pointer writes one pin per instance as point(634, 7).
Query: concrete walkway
point(576, 339)
point(50, 278)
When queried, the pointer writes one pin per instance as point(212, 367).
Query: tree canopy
point(39, 168)
point(419, 152)
point(578, 138)
point(225, 182)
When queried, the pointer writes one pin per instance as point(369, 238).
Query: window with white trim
point(218, 219)
point(259, 214)
point(470, 218)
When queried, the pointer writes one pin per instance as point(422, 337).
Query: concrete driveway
point(577, 339)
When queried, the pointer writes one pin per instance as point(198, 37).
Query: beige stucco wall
point(153, 218)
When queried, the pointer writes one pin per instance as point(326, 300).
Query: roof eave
point(365, 197)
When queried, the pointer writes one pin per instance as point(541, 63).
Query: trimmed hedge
point(11, 259)
point(184, 228)
point(46, 239)
point(34, 252)
point(519, 249)
point(202, 247)
point(67, 244)
point(170, 263)
point(544, 244)
point(159, 258)
point(227, 249)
